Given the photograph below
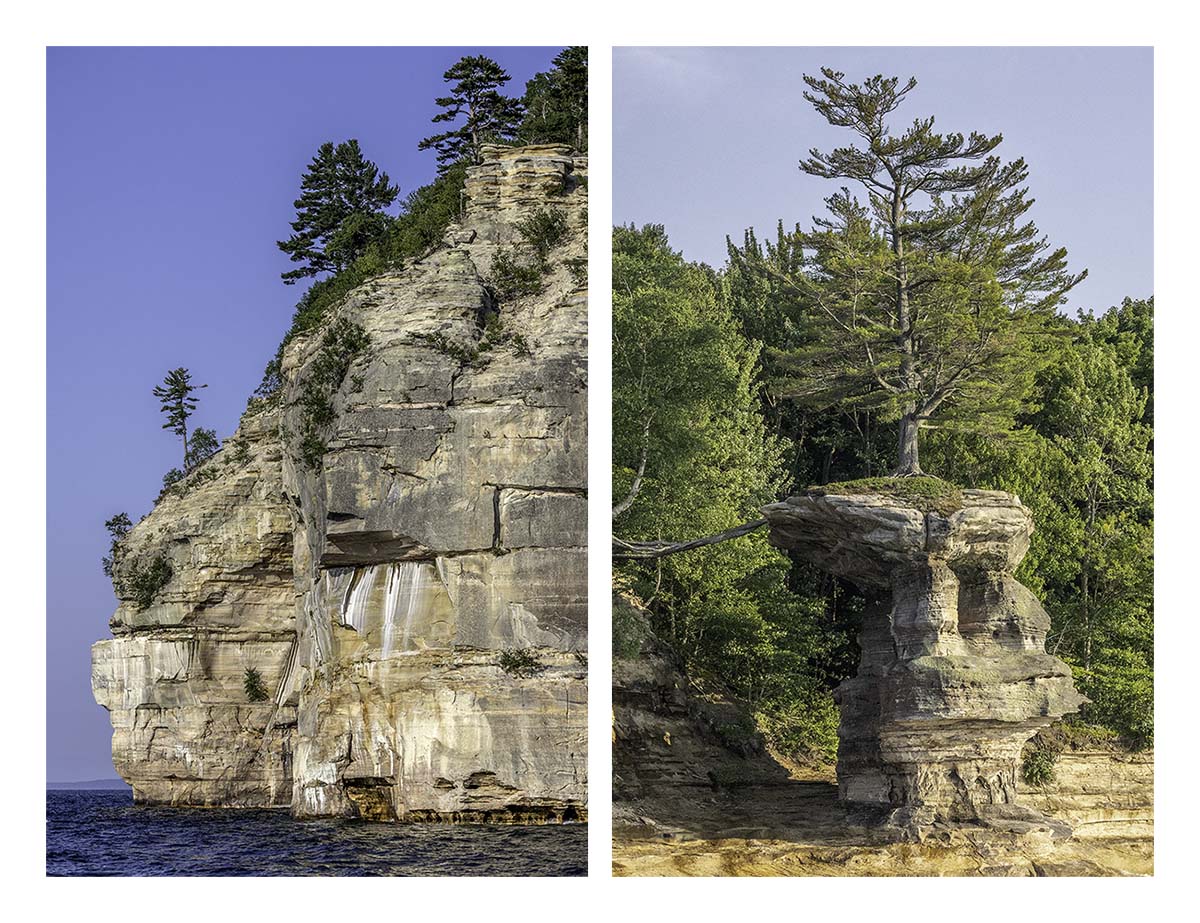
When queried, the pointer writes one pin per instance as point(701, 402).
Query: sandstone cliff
point(396, 543)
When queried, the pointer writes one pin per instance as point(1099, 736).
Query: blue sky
point(171, 173)
point(706, 141)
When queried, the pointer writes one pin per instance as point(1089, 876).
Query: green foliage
point(1120, 685)
point(203, 446)
point(177, 403)
point(687, 416)
point(556, 102)
point(144, 580)
point(1037, 768)
point(341, 343)
point(425, 215)
point(118, 527)
point(170, 480)
point(577, 266)
point(252, 683)
point(520, 662)
point(339, 213)
point(511, 278)
point(924, 493)
point(629, 631)
point(543, 231)
point(490, 116)
point(801, 721)
point(1083, 462)
point(924, 301)
point(782, 636)
point(241, 451)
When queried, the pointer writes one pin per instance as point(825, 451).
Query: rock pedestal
point(954, 677)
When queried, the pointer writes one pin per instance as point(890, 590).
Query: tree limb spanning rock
point(625, 550)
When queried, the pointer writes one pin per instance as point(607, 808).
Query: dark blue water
point(104, 833)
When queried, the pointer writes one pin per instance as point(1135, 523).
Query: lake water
point(104, 833)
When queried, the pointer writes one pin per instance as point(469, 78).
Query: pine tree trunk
point(907, 464)
point(907, 460)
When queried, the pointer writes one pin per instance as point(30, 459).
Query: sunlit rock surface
point(954, 677)
point(374, 592)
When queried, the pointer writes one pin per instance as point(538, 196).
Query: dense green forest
point(928, 314)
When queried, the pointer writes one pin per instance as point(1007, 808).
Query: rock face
point(374, 559)
point(954, 677)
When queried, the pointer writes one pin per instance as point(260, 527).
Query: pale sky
point(706, 141)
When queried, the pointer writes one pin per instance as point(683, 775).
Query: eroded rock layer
point(954, 677)
point(405, 569)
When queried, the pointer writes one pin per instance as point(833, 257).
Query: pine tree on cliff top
point(928, 299)
point(175, 395)
point(490, 115)
point(556, 102)
point(339, 212)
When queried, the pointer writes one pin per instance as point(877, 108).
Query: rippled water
point(104, 833)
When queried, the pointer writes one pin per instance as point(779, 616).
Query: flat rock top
point(868, 535)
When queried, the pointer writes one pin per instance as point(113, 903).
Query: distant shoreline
point(89, 785)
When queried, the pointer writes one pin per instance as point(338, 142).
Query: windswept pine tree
point(490, 115)
point(926, 299)
point(178, 404)
point(340, 211)
point(556, 101)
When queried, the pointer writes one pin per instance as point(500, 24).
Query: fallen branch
point(624, 549)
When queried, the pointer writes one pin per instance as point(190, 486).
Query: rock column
point(954, 677)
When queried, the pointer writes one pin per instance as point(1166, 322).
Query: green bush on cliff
point(543, 230)
point(342, 342)
point(520, 662)
point(252, 683)
point(1037, 768)
point(118, 527)
point(510, 277)
point(926, 493)
point(145, 580)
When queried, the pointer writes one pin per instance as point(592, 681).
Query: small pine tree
point(490, 115)
point(118, 527)
point(175, 395)
point(339, 212)
point(252, 682)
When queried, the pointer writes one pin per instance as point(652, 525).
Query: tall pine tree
point(490, 115)
point(926, 299)
point(340, 211)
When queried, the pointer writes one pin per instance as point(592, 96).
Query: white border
point(28, 30)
